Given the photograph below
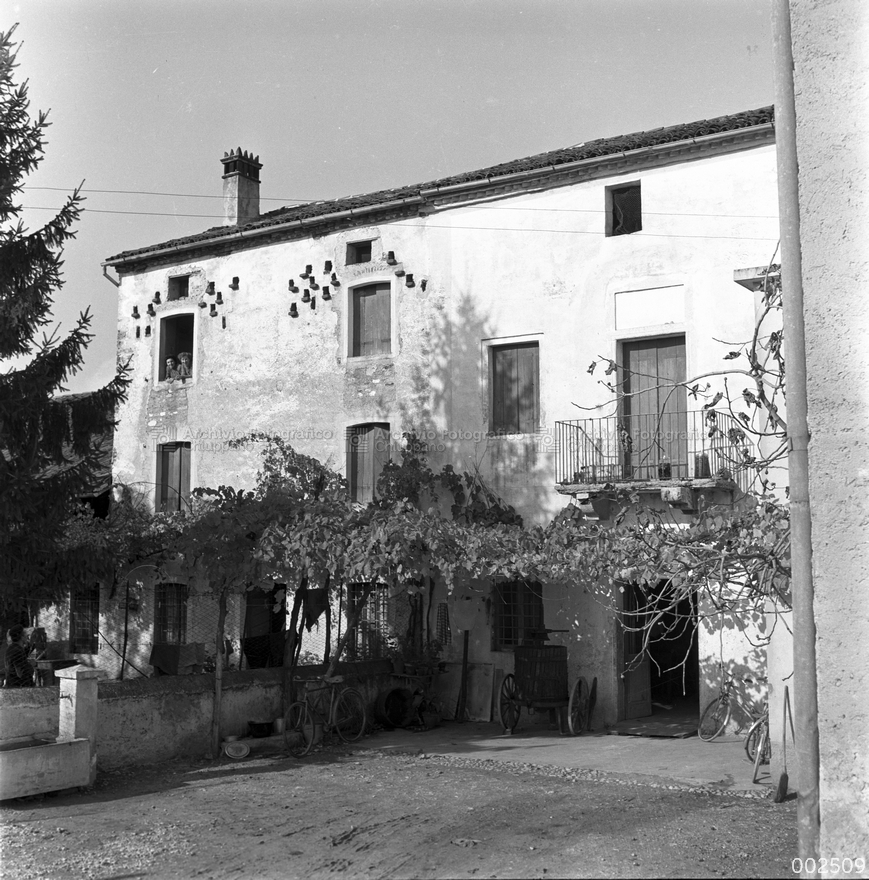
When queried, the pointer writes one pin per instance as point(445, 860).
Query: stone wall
point(831, 80)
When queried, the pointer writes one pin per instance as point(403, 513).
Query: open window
point(624, 209)
point(176, 347)
point(179, 287)
point(367, 451)
point(358, 252)
point(370, 320)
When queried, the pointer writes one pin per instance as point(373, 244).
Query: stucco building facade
point(467, 310)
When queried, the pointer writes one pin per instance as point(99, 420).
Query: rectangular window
point(515, 388)
point(176, 347)
point(173, 477)
point(518, 607)
point(367, 451)
point(358, 252)
point(84, 617)
point(170, 614)
point(370, 320)
point(369, 639)
point(179, 287)
point(624, 209)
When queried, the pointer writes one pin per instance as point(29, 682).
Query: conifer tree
point(49, 443)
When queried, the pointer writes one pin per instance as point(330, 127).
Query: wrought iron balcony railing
point(706, 445)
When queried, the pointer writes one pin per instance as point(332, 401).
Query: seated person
point(19, 672)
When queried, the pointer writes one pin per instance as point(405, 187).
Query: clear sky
point(340, 97)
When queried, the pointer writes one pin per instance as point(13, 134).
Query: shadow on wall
point(750, 683)
point(444, 399)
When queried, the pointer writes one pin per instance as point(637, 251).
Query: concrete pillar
point(78, 708)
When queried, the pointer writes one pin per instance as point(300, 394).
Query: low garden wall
point(148, 720)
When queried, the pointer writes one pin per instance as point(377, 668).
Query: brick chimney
point(240, 187)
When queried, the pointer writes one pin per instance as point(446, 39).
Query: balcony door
point(654, 409)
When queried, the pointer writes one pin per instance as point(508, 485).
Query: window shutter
point(183, 476)
point(527, 383)
point(372, 323)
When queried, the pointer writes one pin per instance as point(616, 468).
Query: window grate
point(170, 614)
point(518, 613)
point(84, 615)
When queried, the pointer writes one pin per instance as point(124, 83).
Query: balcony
point(693, 450)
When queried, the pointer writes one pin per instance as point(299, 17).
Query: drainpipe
point(805, 669)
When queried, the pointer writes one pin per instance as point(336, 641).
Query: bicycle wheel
point(298, 730)
point(350, 717)
point(758, 737)
point(714, 719)
point(577, 708)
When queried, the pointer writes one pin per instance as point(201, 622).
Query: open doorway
point(662, 682)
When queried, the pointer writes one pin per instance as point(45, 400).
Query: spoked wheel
point(714, 719)
point(350, 718)
point(298, 730)
point(577, 708)
point(758, 737)
point(508, 704)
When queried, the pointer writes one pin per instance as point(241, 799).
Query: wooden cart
point(540, 682)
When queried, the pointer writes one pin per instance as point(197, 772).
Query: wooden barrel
point(541, 673)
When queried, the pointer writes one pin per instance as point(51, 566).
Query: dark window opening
point(624, 214)
point(265, 623)
point(176, 347)
point(179, 287)
point(359, 252)
point(170, 614)
point(518, 607)
point(369, 640)
point(370, 320)
point(515, 389)
point(367, 451)
point(173, 477)
point(84, 617)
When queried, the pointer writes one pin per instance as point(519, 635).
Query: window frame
point(494, 349)
point(80, 643)
point(352, 462)
point(176, 605)
point(527, 614)
point(174, 283)
point(353, 256)
point(354, 345)
point(611, 198)
point(161, 346)
point(183, 493)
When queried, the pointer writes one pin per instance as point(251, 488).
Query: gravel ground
point(374, 815)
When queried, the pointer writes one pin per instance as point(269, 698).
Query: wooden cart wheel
point(508, 704)
point(577, 708)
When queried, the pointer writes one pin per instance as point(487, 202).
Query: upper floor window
point(370, 320)
point(624, 209)
point(179, 287)
point(176, 347)
point(515, 388)
point(170, 614)
point(367, 451)
point(84, 618)
point(358, 252)
point(173, 477)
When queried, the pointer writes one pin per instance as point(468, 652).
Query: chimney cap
point(242, 163)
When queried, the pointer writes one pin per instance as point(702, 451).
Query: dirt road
point(372, 815)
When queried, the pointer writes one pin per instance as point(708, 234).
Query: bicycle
point(346, 716)
point(715, 716)
point(757, 744)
